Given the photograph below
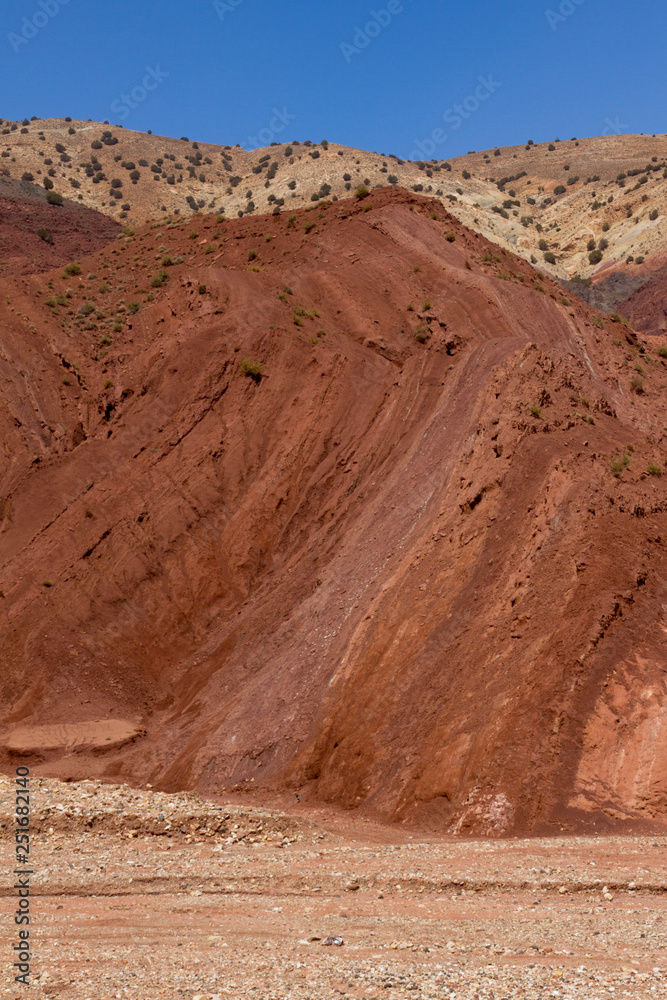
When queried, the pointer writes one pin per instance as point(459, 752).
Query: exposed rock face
point(388, 568)
point(647, 305)
point(607, 293)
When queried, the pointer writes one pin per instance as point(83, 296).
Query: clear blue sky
point(222, 70)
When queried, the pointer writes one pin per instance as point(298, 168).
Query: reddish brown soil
point(387, 575)
point(75, 230)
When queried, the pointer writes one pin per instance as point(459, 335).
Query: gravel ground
point(147, 895)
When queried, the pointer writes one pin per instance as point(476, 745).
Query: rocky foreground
point(148, 895)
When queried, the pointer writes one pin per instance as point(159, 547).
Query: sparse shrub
point(536, 411)
point(422, 334)
point(46, 235)
point(426, 306)
point(637, 385)
point(308, 226)
point(595, 256)
point(361, 192)
point(54, 198)
point(251, 369)
point(252, 254)
point(619, 464)
point(653, 469)
point(653, 215)
point(662, 352)
point(598, 322)
point(543, 245)
point(71, 270)
point(550, 257)
point(450, 237)
point(160, 279)
point(201, 289)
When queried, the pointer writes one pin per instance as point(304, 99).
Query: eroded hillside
point(350, 504)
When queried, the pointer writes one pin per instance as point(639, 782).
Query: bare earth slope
point(392, 570)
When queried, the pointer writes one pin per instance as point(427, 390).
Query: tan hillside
point(155, 175)
point(608, 187)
